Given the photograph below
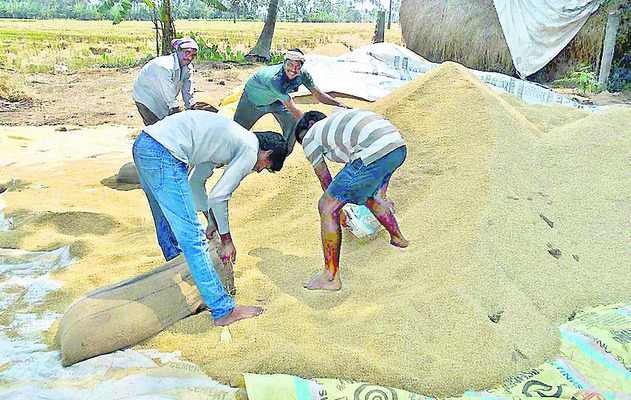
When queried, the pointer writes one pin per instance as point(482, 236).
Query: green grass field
point(31, 46)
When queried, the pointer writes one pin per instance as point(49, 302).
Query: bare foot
point(239, 312)
point(399, 242)
point(319, 281)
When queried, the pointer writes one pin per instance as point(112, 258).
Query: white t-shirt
point(205, 141)
point(159, 82)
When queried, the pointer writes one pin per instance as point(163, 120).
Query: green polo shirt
point(271, 84)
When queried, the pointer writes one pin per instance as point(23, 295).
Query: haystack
point(469, 32)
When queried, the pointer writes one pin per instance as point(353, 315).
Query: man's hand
point(293, 109)
point(228, 252)
point(211, 231)
point(325, 98)
point(201, 105)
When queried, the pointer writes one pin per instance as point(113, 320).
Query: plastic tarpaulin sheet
point(30, 370)
point(537, 30)
point(594, 364)
point(373, 71)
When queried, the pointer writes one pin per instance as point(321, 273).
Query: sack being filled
point(123, 314)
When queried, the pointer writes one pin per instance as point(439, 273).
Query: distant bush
point(583, 77)
point(123, 61)
point(212, 52)
point(620, 78)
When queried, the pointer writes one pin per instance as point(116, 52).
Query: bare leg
point(239, 313)
point(382, 194)
point(382, 210)
point(382, 190)
point(329, 279)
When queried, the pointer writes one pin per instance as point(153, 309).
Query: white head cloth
point(294, 56)
point(184, 43)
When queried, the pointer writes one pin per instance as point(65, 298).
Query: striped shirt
point(351, 134)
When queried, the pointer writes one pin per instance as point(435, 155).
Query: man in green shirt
point(267, 91)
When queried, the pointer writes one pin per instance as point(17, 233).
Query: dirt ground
point(103, 96)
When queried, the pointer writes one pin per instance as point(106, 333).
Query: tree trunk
point(379, 29)
point(262, 48)
point(235, 10)
point(168, 28)
point(389, 14)
point(157, 28)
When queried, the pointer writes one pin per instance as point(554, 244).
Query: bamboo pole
point(609, 44)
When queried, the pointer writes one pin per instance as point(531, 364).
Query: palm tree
point(261, 50)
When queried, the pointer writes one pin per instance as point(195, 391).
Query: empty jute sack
point(123, 314)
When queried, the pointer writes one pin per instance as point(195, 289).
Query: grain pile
point(469, 198)
point(478, 294)
point(330, 49)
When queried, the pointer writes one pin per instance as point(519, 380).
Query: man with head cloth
point(267, 91)
point(157, 86)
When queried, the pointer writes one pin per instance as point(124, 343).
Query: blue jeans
point(164, 180)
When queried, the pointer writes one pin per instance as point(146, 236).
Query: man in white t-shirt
point(201, 141)
point(161, 80)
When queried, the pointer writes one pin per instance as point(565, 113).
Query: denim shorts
point(357, 182)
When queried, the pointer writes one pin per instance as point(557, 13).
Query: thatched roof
point(469, 32)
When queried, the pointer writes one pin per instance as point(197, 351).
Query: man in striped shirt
point(372, 149)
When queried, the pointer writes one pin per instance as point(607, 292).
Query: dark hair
point(303, 122)
point(273, 141)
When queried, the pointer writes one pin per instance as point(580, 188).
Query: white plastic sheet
point(371, 72)
point(361, 222)
point(5, 223)
point(31, 371)
point(537, 30)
